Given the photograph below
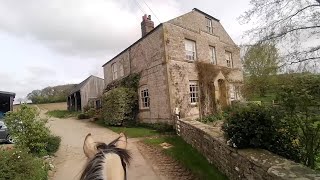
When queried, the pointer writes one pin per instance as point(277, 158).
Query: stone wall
point(237, 164)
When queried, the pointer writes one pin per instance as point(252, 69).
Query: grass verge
point(187, 156)
point(62, 113)
point(141, 129)
point(134, 132)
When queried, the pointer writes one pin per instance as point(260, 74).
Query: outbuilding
point(86, 92)
point(6, 102)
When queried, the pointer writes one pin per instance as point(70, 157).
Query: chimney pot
point(147, 24)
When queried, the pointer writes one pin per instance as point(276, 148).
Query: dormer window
point(209, 25)
point(114, 70)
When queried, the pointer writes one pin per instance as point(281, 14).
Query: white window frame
point(193, 92)
point(114, 70)
point(121, 70)
point(228, 56)
point(213, 57)
point(144, 98)
point(190, 53)
point(209, 25)
point(234, 92)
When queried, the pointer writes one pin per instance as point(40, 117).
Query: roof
point(79, 86)
point(208, 15)
point(8, 93)
point(134, 44)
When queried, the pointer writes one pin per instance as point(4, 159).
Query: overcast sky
point(48, 43)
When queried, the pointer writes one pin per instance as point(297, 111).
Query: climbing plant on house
point(206, 75)
point(120, 103)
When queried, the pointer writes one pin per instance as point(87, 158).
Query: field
point(48, 107)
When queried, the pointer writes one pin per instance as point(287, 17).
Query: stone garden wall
point(240, 164)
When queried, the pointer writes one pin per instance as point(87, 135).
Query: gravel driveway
point(70, 158)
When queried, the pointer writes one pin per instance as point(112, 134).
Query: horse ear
point(89, 147)
point(122, 141)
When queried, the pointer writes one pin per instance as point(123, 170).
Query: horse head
point(105, 161)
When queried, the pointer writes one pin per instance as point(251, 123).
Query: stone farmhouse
point(165, 57)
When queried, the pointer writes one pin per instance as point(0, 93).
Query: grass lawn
point(140, 130)
point(268, 98)
point(62, 113)
point(187, 156)
point(134, 132)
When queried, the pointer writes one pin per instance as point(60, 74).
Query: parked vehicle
point(4, 133)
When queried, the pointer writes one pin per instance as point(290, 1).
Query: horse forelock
point(94, 168)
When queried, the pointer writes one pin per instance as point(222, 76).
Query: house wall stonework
point(147, 57)
point(192, 26)
point(160, 58)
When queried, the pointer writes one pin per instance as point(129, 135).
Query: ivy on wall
point(120, 103)
point(130, 81)
point(206, 77)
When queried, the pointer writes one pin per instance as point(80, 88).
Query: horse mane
point(93, 169)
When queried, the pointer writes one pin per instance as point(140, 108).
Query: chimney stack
point(146, 25)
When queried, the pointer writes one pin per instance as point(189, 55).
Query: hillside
point(51, 94)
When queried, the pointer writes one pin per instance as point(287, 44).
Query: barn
point(6, 102)
point(88, 91)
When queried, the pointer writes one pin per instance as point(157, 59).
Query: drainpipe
point(177, 122)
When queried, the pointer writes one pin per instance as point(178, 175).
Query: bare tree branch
point(302, 60)
point(287, 32)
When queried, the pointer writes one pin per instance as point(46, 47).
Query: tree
point(301, 98)
point(260, 63)
point(50, 94)
point(293, 24)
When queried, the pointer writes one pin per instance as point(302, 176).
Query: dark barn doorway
point(6, 102)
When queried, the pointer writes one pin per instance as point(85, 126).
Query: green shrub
point(19, 165)
point(119, 105)
point(29, 131)
point(212, 118)
point(53, 143)
point(91, 112)
point(255, 126)
point(300, 96)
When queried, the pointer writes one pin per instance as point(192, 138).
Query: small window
point(114, 71)
point(190, 47)
point(209, 25)
point(98, 104)
point(212, 53)
point(229, 59)
point(145, 99)
point(194, 92)
point(234, 92)
point(121, 71)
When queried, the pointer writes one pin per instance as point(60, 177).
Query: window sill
point(190, 61)
point(144, 109)
point(194, 104)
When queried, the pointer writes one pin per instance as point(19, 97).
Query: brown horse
point(106, 161)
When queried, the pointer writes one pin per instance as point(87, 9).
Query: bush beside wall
point(240, 164)
point(119, 106)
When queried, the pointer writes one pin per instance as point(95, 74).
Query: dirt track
point(70, 158)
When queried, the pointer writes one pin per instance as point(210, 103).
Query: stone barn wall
point(240, 164)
